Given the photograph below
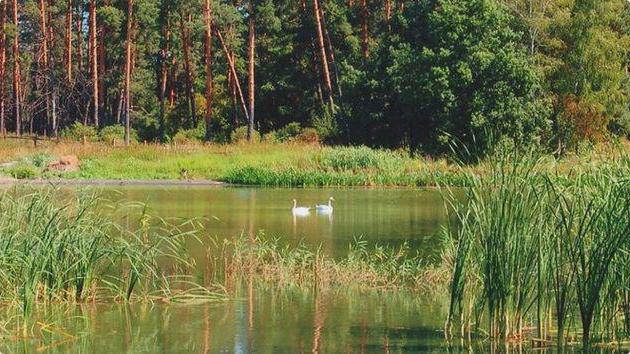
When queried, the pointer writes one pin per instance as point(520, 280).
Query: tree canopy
point(419, 74)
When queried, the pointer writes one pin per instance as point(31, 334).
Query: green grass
point(266, 164)
point(365, 267)
point(60, 248)
point(531, 249)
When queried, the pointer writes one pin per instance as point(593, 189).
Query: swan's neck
point(330, 203)
point(294, 204)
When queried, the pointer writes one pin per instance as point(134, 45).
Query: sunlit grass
point(541, 257)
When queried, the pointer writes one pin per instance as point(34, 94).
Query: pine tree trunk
point(94, 64)
point(17, 106)
point(208, 53)
point(3, 65)
point(322, 54)
point(128, 65)
point(68, 41)
point(80, 54)
point(102, 33)
point(164, 54)
point(44, 63)
point(251, 50)
point(232, 66)
point(330, 52)
point(190, 90)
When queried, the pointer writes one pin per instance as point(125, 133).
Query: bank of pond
point(523, 259)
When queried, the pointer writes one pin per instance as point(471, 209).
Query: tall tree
point(322, 54)
point(68, 41)
point(208, 60)
point(251, 52)
point(3, 62)
point(185, 20)
point(17, 87)
point(128, 67)
point(93, 45)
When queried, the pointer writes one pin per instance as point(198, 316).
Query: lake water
point(266, 320)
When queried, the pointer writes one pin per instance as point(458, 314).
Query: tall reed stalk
point(526, 240)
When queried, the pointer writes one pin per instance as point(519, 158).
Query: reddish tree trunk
point(3, 63)
point(166, 39)
point(128, 68)
point(80, 55)
point(16, 72)
point(68, 40)
point(322, 54)
point(94, 64)
point(208, 54)
point(251, 50)
point(232, 66)
point(190, 89)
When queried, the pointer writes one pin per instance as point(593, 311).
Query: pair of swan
point(323, 208)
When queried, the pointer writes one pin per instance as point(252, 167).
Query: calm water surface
point(263, 320)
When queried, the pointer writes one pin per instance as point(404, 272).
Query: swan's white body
point(326, 208)
point(300, 211)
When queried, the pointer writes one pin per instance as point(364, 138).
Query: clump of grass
point(364, 268)
point(23, 171)
point(55, 248)
point(531, 249)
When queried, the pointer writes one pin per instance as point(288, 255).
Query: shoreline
point(110, 182)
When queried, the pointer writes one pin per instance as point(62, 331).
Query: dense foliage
point(420, 74)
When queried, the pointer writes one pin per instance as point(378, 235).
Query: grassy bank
point(268, 164)
point(258, 164)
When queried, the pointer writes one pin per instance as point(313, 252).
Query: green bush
point(189, 136)
point(239, 135)
point(308, 136)
point(115, 134)
point(80, 132)
point(41, 160)
point(359, 158)
point(271, 137)
point(289, 131)
point(23, 171)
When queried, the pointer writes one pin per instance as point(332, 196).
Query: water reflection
point(385, 216)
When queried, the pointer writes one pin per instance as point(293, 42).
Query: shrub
point(80, 132)
point(41, 160)
point(289, 131)
point(271, 137)
point(239, 135)
point(23, 171)
point(189, 136)
point(115, 134)
point(357, 158)
point(308, 136)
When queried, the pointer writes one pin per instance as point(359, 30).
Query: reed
point(60, 248)
point(531, 248)
point(365, 267)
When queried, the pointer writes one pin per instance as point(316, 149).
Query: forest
point(420, 75)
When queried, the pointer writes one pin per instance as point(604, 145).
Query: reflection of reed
point(206, 330)
point(319, 317)
point(250, 311)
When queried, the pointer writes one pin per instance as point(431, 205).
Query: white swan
point(326, 208)
point(301, 211)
